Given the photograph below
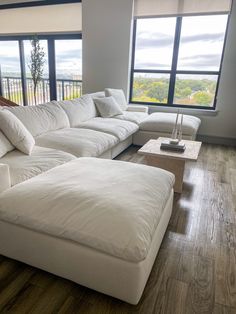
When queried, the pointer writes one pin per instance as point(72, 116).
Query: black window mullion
point(23, 72)
point(174, 61)
point(151, 71)
point(52, 69)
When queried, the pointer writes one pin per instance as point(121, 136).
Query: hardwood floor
point(194, 272)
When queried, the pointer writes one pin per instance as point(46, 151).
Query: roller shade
point(180, 7)
point(42, 19)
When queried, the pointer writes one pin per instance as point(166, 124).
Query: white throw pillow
point(119, 96)
point(16, 132)
point(5, 145)
point(107, 107)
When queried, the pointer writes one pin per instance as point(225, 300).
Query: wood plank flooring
point(194, 272)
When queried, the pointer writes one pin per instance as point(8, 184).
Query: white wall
point(106, 43)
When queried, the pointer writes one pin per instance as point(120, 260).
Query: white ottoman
point(160, 124)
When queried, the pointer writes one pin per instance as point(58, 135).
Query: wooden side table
point(170, 160)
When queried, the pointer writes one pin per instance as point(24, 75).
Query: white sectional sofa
point(74, 126)
point(74, 216)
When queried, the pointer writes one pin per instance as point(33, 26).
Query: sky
point(200, 46)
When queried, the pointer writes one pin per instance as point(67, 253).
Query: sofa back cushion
point(119, 96)
point(79, 110)
point(98, 95)
point(42, 118)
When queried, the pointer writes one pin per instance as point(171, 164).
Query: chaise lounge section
point(161, 124)
point(79, 221)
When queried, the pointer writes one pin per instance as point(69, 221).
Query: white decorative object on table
point(177, 130)
point(180, 128)
point(175, 142)
point(5, 182)
point(174, 139)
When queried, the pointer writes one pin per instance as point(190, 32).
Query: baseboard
point(217, 140)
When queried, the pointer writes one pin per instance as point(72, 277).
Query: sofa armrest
point(5, 181)
point(137, 108)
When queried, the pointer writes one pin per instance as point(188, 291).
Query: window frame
point(51, 59)
point(173, 72)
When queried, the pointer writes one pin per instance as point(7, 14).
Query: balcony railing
point(66, 89)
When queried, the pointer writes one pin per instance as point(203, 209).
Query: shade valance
point(144, 8)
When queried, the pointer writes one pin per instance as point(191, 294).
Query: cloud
point(69, 54)
point(6, 59)
point(9, 63)
point(203, 37)
point(150, 65)
point(204, 61)
point(154, 40)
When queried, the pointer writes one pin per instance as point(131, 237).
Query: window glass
point(151, 87)
point(201, 43)
point(10, 71)
point(154, 43)
point(68, 68)
point(43, 89)
point(195, 90)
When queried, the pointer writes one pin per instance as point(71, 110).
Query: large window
point(177, 60)
point(62, 75)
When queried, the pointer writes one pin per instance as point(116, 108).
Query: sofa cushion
point(79, 110)
point(107, 107)
point(164, 122)
point(119, 128)
point(5, 145)
point(98, 95)
point(23, 167)
point(79, 142)
point(119, 96)
point(16, 132)
point(135, 117)
point(42, 118)
point(113, 207)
